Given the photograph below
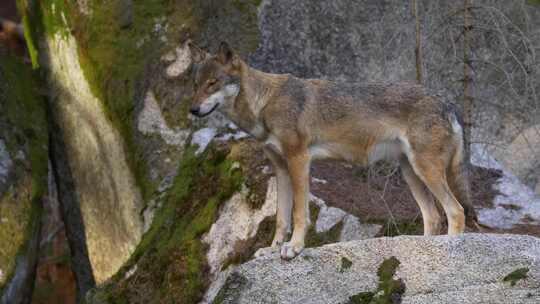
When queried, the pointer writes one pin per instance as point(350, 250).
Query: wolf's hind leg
point(430, 213)
point(433, 174)
point(284, 197)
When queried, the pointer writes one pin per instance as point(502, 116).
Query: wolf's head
point(217, 79)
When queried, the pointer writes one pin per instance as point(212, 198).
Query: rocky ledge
point(470, 268)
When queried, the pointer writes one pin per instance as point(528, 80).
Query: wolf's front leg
point(284, 197)
point(299, 173)
point(284, 207)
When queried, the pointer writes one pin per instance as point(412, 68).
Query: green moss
point(232, 287)
point(389, 290)
point(362, 298)
point(393, 227)
point(516, 275)
point(15, 217)
point(28, 35)
point(345, 264)
point(171, 261)
point(24, 110)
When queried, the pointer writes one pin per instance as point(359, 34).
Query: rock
point(5, 165)
point(181, 63)
point(522, 156)
point(101, 201)
point(202, 138)
point(239, 223)
point(125, 13)
point(23, 180)
point(150, 121)
point(470, 268)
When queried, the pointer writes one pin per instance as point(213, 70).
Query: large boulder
point(470, 268)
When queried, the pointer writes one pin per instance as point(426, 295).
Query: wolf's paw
point(277, 242)
point(289, 251)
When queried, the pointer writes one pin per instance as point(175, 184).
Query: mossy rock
point(23, 129)
point(169, 265)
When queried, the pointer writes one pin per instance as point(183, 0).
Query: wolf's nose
point(194, 111)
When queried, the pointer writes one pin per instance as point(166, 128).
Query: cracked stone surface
point(467, 268)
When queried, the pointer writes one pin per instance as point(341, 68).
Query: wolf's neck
point(256, 90)
point(258, 87)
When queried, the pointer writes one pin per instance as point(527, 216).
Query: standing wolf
point(299, 120)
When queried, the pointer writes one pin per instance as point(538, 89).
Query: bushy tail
point(458, 180)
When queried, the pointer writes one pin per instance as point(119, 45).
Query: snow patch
point(150, 122)
point(524, 201)
point(202, 138)
point(319, 180)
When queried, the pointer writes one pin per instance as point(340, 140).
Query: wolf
point(299, 120)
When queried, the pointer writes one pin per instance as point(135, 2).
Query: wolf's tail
point(458, 175)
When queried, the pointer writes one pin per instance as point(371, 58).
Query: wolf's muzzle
point(197, 111)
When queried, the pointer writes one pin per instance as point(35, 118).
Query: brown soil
point(380, 194)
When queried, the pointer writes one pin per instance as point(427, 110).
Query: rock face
point(103, 187)
point(471, 268)
point(23, 170)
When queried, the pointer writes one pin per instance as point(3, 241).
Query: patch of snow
point(151, 121)
point(319, 180)
point(513, 192)
point(5, 162)
point(202, 138)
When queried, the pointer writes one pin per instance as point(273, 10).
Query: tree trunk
point(418, 45)
point(467, 79)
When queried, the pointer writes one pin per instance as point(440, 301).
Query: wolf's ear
point(197, 55)
point(225, 53)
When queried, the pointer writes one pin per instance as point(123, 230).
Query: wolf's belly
point(358, 153)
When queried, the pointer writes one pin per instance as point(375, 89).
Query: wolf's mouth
point(209, 112)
